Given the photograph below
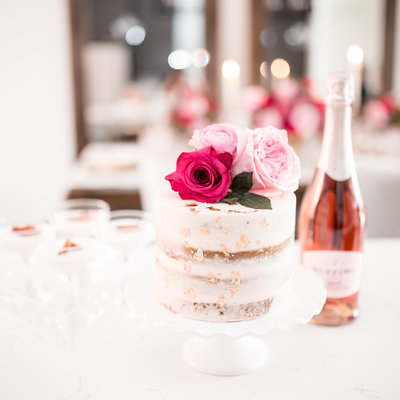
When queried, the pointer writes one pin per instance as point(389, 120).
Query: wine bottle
point(332, 217)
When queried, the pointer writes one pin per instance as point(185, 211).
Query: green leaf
point(242, 182)
point(229, 200)
point(252, 200)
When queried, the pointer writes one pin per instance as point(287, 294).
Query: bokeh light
point(355, 54)
point(180, 59)
point(135, 35)
point(296, 35)
point(280, 68)
point(230, 69)
point(201, 57)
point(264, 69)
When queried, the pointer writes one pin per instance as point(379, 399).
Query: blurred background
point(97, 98)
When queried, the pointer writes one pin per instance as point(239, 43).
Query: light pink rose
point(224, 138)
point(274, 164)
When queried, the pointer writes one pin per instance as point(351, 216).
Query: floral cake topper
point(232, 164)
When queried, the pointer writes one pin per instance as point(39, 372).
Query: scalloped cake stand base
point(231, 348)
point(225, 356)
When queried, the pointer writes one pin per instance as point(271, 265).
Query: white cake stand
point(226, 348)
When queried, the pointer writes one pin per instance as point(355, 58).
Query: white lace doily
point(308, 297)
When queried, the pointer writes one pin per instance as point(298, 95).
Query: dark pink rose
point(202, 175)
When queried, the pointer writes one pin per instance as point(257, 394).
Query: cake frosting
point(223, 248)
point(221, 262)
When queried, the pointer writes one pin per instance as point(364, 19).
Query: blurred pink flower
point(286, 90)
point(305, 119)
point(192, 108)
point(193, 105)
point(198, 123)
point(253, 98)
point(268, 116)
point(377, 114)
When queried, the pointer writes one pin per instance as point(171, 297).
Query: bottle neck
point(336, 158)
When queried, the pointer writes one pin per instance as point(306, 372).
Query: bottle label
point(339, 270)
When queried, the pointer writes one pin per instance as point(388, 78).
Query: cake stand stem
point(223, 355)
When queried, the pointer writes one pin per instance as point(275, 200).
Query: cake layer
point(223, 268)
point(238, 283)
point(220, 227)
point(221, 311)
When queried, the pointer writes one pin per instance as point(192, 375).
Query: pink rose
point(202, 175)
point(274, 164)
point(224, 138)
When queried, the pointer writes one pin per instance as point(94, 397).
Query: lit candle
point(230, 90)
point(355, 64)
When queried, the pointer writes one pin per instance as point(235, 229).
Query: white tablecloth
point(359, 361)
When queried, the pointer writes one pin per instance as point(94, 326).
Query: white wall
point(336, 24)
point(396, 66)
point(188, 32)
point(36, 115)
point(234, 35)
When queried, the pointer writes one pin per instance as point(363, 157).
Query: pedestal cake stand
point(226, 348)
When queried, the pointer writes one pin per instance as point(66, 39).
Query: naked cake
point(225, 225)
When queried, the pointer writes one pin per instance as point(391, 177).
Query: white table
point(359, 361)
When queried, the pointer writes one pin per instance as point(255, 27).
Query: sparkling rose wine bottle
point(332, 216)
